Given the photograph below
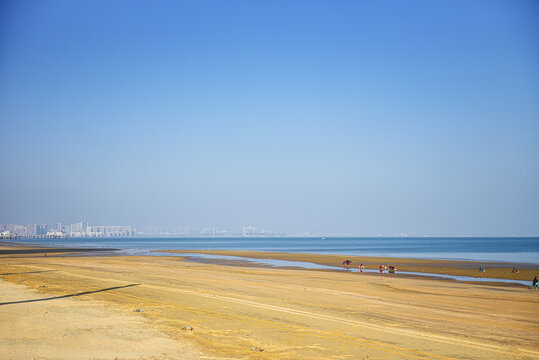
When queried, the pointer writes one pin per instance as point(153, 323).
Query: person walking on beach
point(534, 283)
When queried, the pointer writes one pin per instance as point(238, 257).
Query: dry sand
point(75, 329)
point(237, 311)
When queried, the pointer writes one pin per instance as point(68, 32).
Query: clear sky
point(341, 117)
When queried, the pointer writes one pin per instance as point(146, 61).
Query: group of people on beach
point(391, 270)
point(385, 269)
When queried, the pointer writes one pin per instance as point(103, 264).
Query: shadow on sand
point(27, 272)
point(69, 295)
point(50, 251)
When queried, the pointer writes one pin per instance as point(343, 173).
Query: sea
point(488, 249)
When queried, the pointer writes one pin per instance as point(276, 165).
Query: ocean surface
point(506, 249)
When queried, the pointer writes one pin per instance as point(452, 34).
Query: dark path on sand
point(48, 250)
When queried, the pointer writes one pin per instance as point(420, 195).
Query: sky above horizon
point(348, 117)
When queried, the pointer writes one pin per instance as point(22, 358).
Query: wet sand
point(22, 250)
point(495, 270)
point(52, 306)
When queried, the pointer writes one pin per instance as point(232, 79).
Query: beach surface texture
point(163, 307)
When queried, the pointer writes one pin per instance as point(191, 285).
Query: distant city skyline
point(318, 117)
point(85, 229)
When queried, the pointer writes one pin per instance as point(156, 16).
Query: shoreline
point(494, 270)
point(357, 246)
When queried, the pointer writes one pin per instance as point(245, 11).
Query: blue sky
point(348, 117)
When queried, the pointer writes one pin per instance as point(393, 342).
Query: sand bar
point(495, 270)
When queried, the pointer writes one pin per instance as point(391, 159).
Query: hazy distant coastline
point(504, 249)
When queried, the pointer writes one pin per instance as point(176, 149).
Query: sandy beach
point(107, 307)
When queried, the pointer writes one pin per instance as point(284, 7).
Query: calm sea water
point(509, 249)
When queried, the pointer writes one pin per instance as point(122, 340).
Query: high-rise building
point(78, 228)
point(41, 229)
point(31, 229)
point(249, 230)
point(22, 230)
point(113, 230)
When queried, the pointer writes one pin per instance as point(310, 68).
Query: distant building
point(56, 234)
point(78, 229)
point(207, 232)
point(109, 230)
point(24, 230)
point(18, 229)
point(41, 229)
point(267, 233)
point(8, 235)
point(31, 229)
point(249, 230)
point(165, 230)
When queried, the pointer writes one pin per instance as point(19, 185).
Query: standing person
point(534, 282)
